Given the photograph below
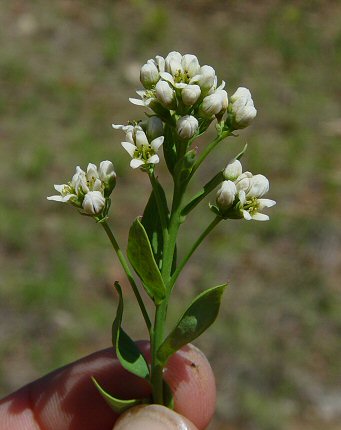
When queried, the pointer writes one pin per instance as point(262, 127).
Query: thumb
point(153, 417)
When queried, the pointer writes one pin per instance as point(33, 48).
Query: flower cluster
point(178, 84)
point(143, 141)
point(89, 191)
point(240, 195)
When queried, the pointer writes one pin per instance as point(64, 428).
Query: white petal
point(167, 77)
point(59, 188)
point(135, 163)
point(62, 199)
point(246, 215)
point(154, 159)
point(56, 198)
point(260, 217)
point(242, 197)
point(141, 139)
point(118, 126)
point(180, 85)
point(222, 85)
point(129, 147)
point(266, 203)
point(156, 143)
point(136, 102)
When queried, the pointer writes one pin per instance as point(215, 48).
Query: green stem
point(207, 188)
point(157, 366)
point(127, 271)
point(194, 247)
point(208, 149)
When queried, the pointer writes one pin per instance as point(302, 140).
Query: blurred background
point(67, 69)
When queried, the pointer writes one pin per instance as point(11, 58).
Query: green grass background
point(67, 69)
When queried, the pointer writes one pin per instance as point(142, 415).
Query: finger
point(153, 417)
point(67, 398)
point(192, 382)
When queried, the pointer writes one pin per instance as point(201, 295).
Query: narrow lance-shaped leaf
point(126, 350)
point(196, 319)
point(118, 405)
point(141, 257)
point(151, 221)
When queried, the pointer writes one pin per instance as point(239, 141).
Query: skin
point(66, 399)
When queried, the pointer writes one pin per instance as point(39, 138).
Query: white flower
point(233, 170)
point(93, 203)
point(187, 126)
point(66, 194)
point(242, 108)
point(149, 74)
point(214, 104)
point(190, 94)
point(165, 94)
point(250, 190)
point(180, 67)
point(226, 195)
point(88, 191)
point(138, 146)
point(251, 207)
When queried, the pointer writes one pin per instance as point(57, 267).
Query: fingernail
point(152, 417)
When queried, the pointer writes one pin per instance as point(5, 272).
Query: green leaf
point(152, 223)
point(118, 405)
point(141, 257)
point(196, 319)
point(127, 352)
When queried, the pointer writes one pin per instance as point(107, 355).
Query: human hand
point(67, 399)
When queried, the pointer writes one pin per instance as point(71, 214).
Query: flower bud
point(233, 170)
point(187, 126)
point(242, 108)
point(165, 94)
point(154, 127)
point(190, 94)
point(214, 104)
point(149, 75)
point(173, 62)
point(79, 181)
point(206, 78)
point(190, 65)
point(93, 203)
point(91, 172)
point(244, 182)
point(226, 195)
point(259, 186)
point(107, 175)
